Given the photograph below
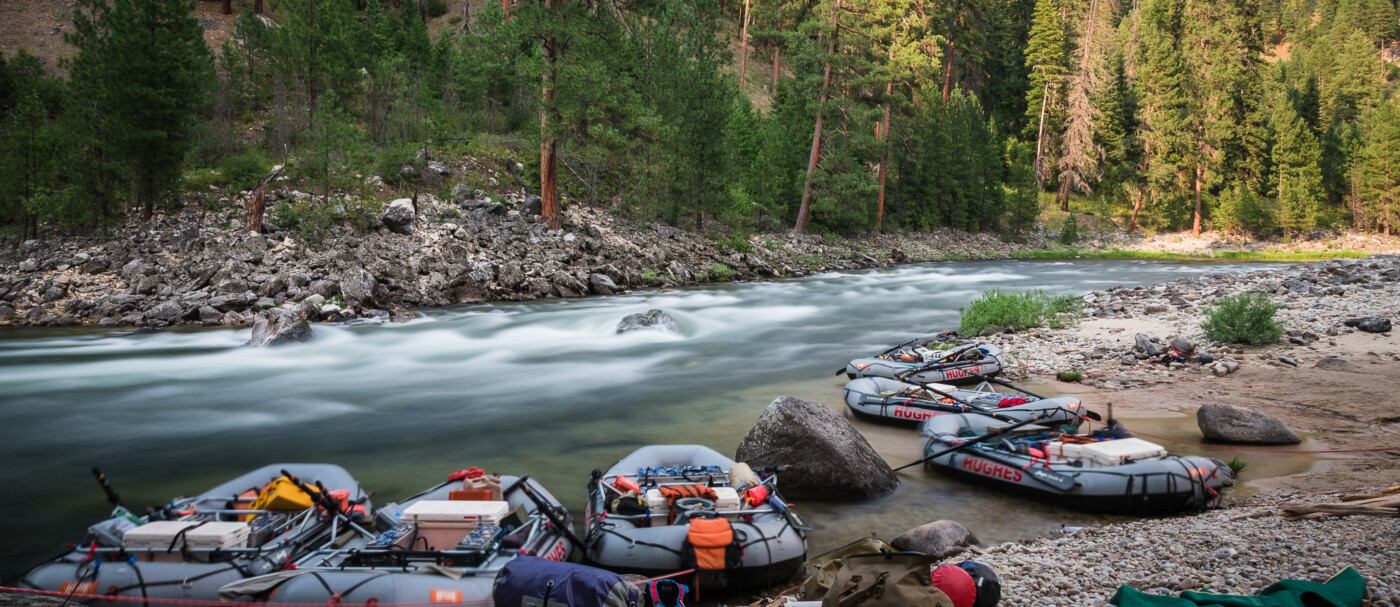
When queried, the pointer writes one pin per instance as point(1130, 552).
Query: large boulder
point(653, 320)
point(939, 538)
point(601, 284)
point(357, 286)
point(828, 457)
point(1148, 345)
point(399, 216)
point(278, 326)
point(1369, 324)
point(1336, 364)
point(1182, 345)
point(1233, 424)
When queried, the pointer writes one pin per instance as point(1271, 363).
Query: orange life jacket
point(710, 545)
point(675, 492)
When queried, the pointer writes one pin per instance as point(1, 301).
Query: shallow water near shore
point(541, 388)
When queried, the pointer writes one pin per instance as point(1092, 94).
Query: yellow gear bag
point(283, 494)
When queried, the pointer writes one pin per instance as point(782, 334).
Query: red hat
point(956, 583)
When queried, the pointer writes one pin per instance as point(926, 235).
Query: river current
point(541, 388)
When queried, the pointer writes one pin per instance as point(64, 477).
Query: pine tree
point(1296, 157)
point(1375, 202)
point(1079, 160)
point(1045, 59)
point(1169, 144)
point(1352, 83)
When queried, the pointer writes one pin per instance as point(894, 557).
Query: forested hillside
point(1268, 117)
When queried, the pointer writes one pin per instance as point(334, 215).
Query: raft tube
point(197, 574)
point(773, 548)
point(884, 398)
point(970, 361)
point(370, 575)
point(1151, 485)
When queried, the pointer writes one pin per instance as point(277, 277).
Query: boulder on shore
point(1234, 424)
point(399, 216)
point(1369, 324)
point(357, 285)
point(1336, 364)
point(939, 538)
point(654, 320)
point(828, 457)
point(278, 326)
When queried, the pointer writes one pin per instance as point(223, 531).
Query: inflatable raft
point(891, 399)
point(444, 545)
point(255, 524)
point(917, 362)
point(668, 508)
point(1087, 472)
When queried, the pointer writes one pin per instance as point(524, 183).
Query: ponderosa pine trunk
point(257, 7)
point(777, 66)
point(804, 212)
point(228, 7)
point(1196, 225)
point(1137, 205)
point(885, 155)
point(549, 191)
point(948, 70)
point(744, 44)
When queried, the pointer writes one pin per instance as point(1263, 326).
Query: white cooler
point(444, 523)
point(1118, 452)
point(158, 536)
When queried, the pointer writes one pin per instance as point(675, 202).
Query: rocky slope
point(200, 269)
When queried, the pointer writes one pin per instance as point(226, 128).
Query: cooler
point(210, 536)
point(1121, 451)
point(157, 536)
point(444, 523)
point(659, 506)
point(1056, 450)
point(726, 499)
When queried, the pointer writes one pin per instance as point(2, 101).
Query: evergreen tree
point(1376, 181)
point(1352, 82)
point(1296, 157)
point(1045, 60)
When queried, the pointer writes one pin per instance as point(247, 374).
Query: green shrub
point(736, 243)
point(720, 271)
point(1237, 466)
point(1018, 310)
point(1247, 318)
point(1070, 376)
point(199, 180)
point(243, 172)
point(285, 217)
point(1070, 232)
point(1239, 210)
point(437, 8)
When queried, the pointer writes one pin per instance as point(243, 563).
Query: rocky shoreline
point(197, 269)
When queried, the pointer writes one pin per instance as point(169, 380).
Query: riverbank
point(198, 268)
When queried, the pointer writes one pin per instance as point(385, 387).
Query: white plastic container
point(1063, 451)
point(217, 535)
point(658, 505)
point(442, 524)
point(157, 536)
point(726, 499)
point(1121, 451)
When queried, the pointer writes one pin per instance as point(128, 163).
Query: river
point(542, 388)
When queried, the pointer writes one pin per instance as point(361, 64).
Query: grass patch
point(1018, 310)
point(1069, 377)
point(1237, 466)
point(1222, 256)
point(721, 272)
point(1247, 318)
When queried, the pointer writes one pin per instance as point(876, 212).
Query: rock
point(601, 284)
point(167, 311)
point(28, 265)
point(1147, 346)
point(6, 312)
point(532, 205)
point(1369, 324)
point(1297, 286)
point(1288, 361)
point(679, 271)
point(357, 286)
point(146, 285)
point(941, 539)
point(1156, 309)
point(1182, 345)
point(1234, 424)
point(207, 314)
point(828, 457)
point(439, 168)
point(898, 256)
point(276, 327)
point(399, 217)
point(653, 320)
point(107, 322)
point(307, 310)
point(1336, 364)
point(461, 194)
point(1225, 367)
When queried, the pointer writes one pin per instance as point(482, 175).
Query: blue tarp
point(528, 580)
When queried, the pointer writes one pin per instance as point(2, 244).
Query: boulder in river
point(1233, 424)
point(278, 326)
point(828, 457)
point(939, 538)
point(654, 320)
point(1369, 324)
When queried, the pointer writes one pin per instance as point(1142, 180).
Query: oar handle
point(112, 497)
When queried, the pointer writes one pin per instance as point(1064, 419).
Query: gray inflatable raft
point(895, 400)
point(1125, 475)
point(654, 543)
point(184, 569)
point(404, 564)
point(917, 363)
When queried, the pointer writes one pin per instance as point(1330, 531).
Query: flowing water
point(543, 388)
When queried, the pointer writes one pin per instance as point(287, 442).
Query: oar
point(547, 510)
point(887, 351)
point(112, 496)
point(985, 437)
point(974, 408)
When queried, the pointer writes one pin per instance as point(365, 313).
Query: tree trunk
point(744, 45)
point(948, 71)
point(804, 213)
point(257, 6)
point(228, 7)
point(1137, 205)
point(257, 202)
point(1040, 140)
point(549, 170)
point(885, 155)
point(1196, 226)
point(505, 7)
point(777, 67)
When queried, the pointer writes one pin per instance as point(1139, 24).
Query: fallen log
point(1387, 506)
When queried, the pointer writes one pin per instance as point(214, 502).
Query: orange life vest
point(710, 545)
